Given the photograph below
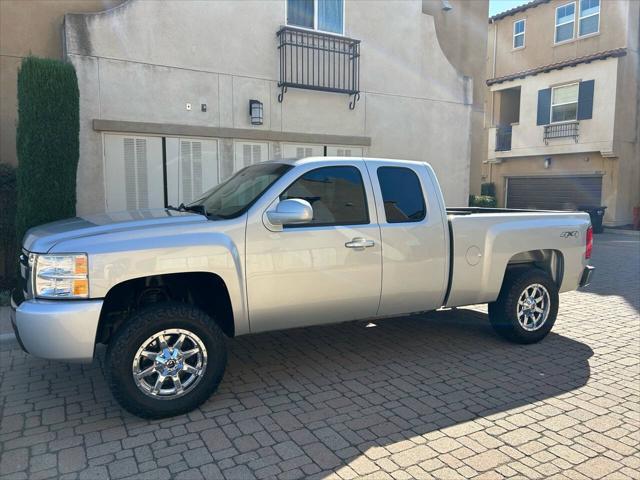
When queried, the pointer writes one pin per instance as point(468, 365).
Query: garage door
point(553, 193)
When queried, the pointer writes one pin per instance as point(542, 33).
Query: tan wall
point(462, 36)
point(614, 129)
point(596, 134)
point(627, 122)
point(30, 27)
point(615, 22)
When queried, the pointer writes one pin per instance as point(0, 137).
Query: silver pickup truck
point(279, 245)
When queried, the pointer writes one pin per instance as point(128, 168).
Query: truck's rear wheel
point(166, 360)
point(527, 306)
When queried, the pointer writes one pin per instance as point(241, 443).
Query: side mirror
point(291, 211)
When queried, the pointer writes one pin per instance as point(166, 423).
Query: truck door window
point(336, 194)
point(402, 195)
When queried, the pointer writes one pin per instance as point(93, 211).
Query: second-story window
point(565, 20)
point(518, 33)
point(564, 103)
point(323, 15)
point(589, 17)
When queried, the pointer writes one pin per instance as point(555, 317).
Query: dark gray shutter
point(585, 100)
point(544, 106)
point(554, 193)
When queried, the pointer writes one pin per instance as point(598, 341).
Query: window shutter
point(191, 166)
point(544, 106)
point(257, 154)
point(585, 100)
point(196, 158)
point(130, 173)
point(246, 155)
point(143, 182)
point(185, 164)
point(135, 168)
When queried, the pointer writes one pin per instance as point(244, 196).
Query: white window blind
point(337, 151)
point(192, 168)
point(292, 150)
point(564, 103)
point(250, 153)
point(133, 172)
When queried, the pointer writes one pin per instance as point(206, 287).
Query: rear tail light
point(589, 247)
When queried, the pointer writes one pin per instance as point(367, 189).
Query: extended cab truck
point(280, 245)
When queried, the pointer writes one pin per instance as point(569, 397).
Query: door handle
point(360, 243)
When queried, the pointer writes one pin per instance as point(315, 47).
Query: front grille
point(25, 274)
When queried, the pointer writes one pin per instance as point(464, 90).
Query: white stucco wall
point(595, 134)
point(143, 61)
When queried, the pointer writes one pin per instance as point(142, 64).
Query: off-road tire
point(142, 325)
point(503, 312)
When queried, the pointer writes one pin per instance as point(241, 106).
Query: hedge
point(8, 244)
point(47, 142)
point(482, 201)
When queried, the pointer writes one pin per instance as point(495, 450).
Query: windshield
point(234, 196)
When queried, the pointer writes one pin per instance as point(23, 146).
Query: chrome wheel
point(533, 307)
point(169, 364)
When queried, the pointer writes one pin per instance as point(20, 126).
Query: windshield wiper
point(189, 208)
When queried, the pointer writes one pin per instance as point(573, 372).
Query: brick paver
point(430, 396)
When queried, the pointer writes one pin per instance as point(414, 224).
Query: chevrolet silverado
point(279, 245)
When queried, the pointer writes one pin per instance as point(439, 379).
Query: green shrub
point(47, 142)
point(8, 244)
point(488, 189)
point(482, 201)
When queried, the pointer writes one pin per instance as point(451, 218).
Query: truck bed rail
point(472, 210)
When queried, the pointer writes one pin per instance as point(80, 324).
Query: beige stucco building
point(166, 88)
point(30, 27)
point(562, 107)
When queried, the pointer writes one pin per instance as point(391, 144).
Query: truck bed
point(484, 241)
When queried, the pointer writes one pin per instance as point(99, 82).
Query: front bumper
point(587, 273)
point(57, 329)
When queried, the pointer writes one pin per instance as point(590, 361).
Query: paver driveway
point(437, 395)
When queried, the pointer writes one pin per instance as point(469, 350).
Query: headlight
point(59, 276)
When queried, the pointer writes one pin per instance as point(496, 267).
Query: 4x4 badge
point(572, 233)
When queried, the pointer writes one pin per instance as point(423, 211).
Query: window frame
point(315, 19)
point(523, 33)
point(580, 18)
point(422, 195)
point(551, 122)
point(323, 225)
point(555, 20)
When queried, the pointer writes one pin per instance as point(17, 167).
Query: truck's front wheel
point(166, 360)
point(527, 306)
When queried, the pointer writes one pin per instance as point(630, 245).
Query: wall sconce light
point(547, 162)
point(446, 5)
point(256, 112)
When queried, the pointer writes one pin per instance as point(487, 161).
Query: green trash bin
point(597, 214)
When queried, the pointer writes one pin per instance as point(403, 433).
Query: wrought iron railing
point(319, 61)
point(503, 138)
point(560, 130)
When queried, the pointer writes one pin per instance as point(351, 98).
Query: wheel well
point(551, 261)
point(204, 290)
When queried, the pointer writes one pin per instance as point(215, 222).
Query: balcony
point(318, 61)
point(561, 130)
point(503, 138)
